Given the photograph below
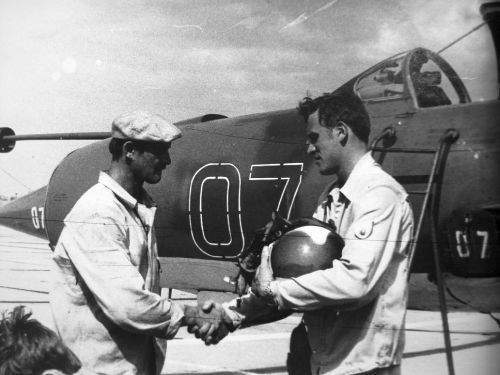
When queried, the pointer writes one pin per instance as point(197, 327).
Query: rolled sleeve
point(370, 243)
point(99, 254)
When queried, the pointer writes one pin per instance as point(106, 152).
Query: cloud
point(387, 42)
point(305, 16)
point(197, 27)
point(438, 23)
point(249, 23)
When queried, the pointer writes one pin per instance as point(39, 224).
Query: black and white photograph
point(249, 187)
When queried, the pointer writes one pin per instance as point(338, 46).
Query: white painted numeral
point(484, 247)
point(290, 172)
point(463, 243)
point(229, 241)
point(38, 217)
point(463, 252)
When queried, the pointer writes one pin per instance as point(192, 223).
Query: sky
point(74, 65)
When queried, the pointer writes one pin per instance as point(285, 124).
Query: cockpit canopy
point(419, 75)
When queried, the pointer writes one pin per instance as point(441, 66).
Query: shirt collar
point(351, 187)
point(106, 180)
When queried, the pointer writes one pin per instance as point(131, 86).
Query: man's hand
point(250, 259)
point(264, 274)
point(208, 322)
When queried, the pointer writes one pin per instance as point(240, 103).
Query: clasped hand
point(208, 322)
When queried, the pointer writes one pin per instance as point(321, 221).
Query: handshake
point(208, 322)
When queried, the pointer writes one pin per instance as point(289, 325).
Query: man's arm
point(250, 310)
point(241, 312)
point(379, 233)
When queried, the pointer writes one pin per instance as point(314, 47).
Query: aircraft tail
point(26, 214)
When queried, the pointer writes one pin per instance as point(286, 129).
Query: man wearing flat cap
point(105, 298)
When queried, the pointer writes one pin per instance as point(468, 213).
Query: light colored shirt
point(104, 299)
point(354, 312)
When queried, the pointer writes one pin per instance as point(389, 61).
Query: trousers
point(299, 357)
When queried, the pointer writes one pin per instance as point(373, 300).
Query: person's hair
point(115, 147)
point(27, 347)
point(341, 105)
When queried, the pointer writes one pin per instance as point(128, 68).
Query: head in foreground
point(27, 347)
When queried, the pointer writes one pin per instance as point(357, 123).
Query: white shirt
point(104, 298)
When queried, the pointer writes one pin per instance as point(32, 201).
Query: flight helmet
point(305, 249)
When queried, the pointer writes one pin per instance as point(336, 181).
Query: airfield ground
point(24, 279)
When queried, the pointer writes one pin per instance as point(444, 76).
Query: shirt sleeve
point(371, 243)
point(97, 246)
point(250, 309)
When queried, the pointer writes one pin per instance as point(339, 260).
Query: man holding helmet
point(354, 311)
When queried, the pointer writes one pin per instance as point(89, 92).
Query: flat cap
point(144, 126)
